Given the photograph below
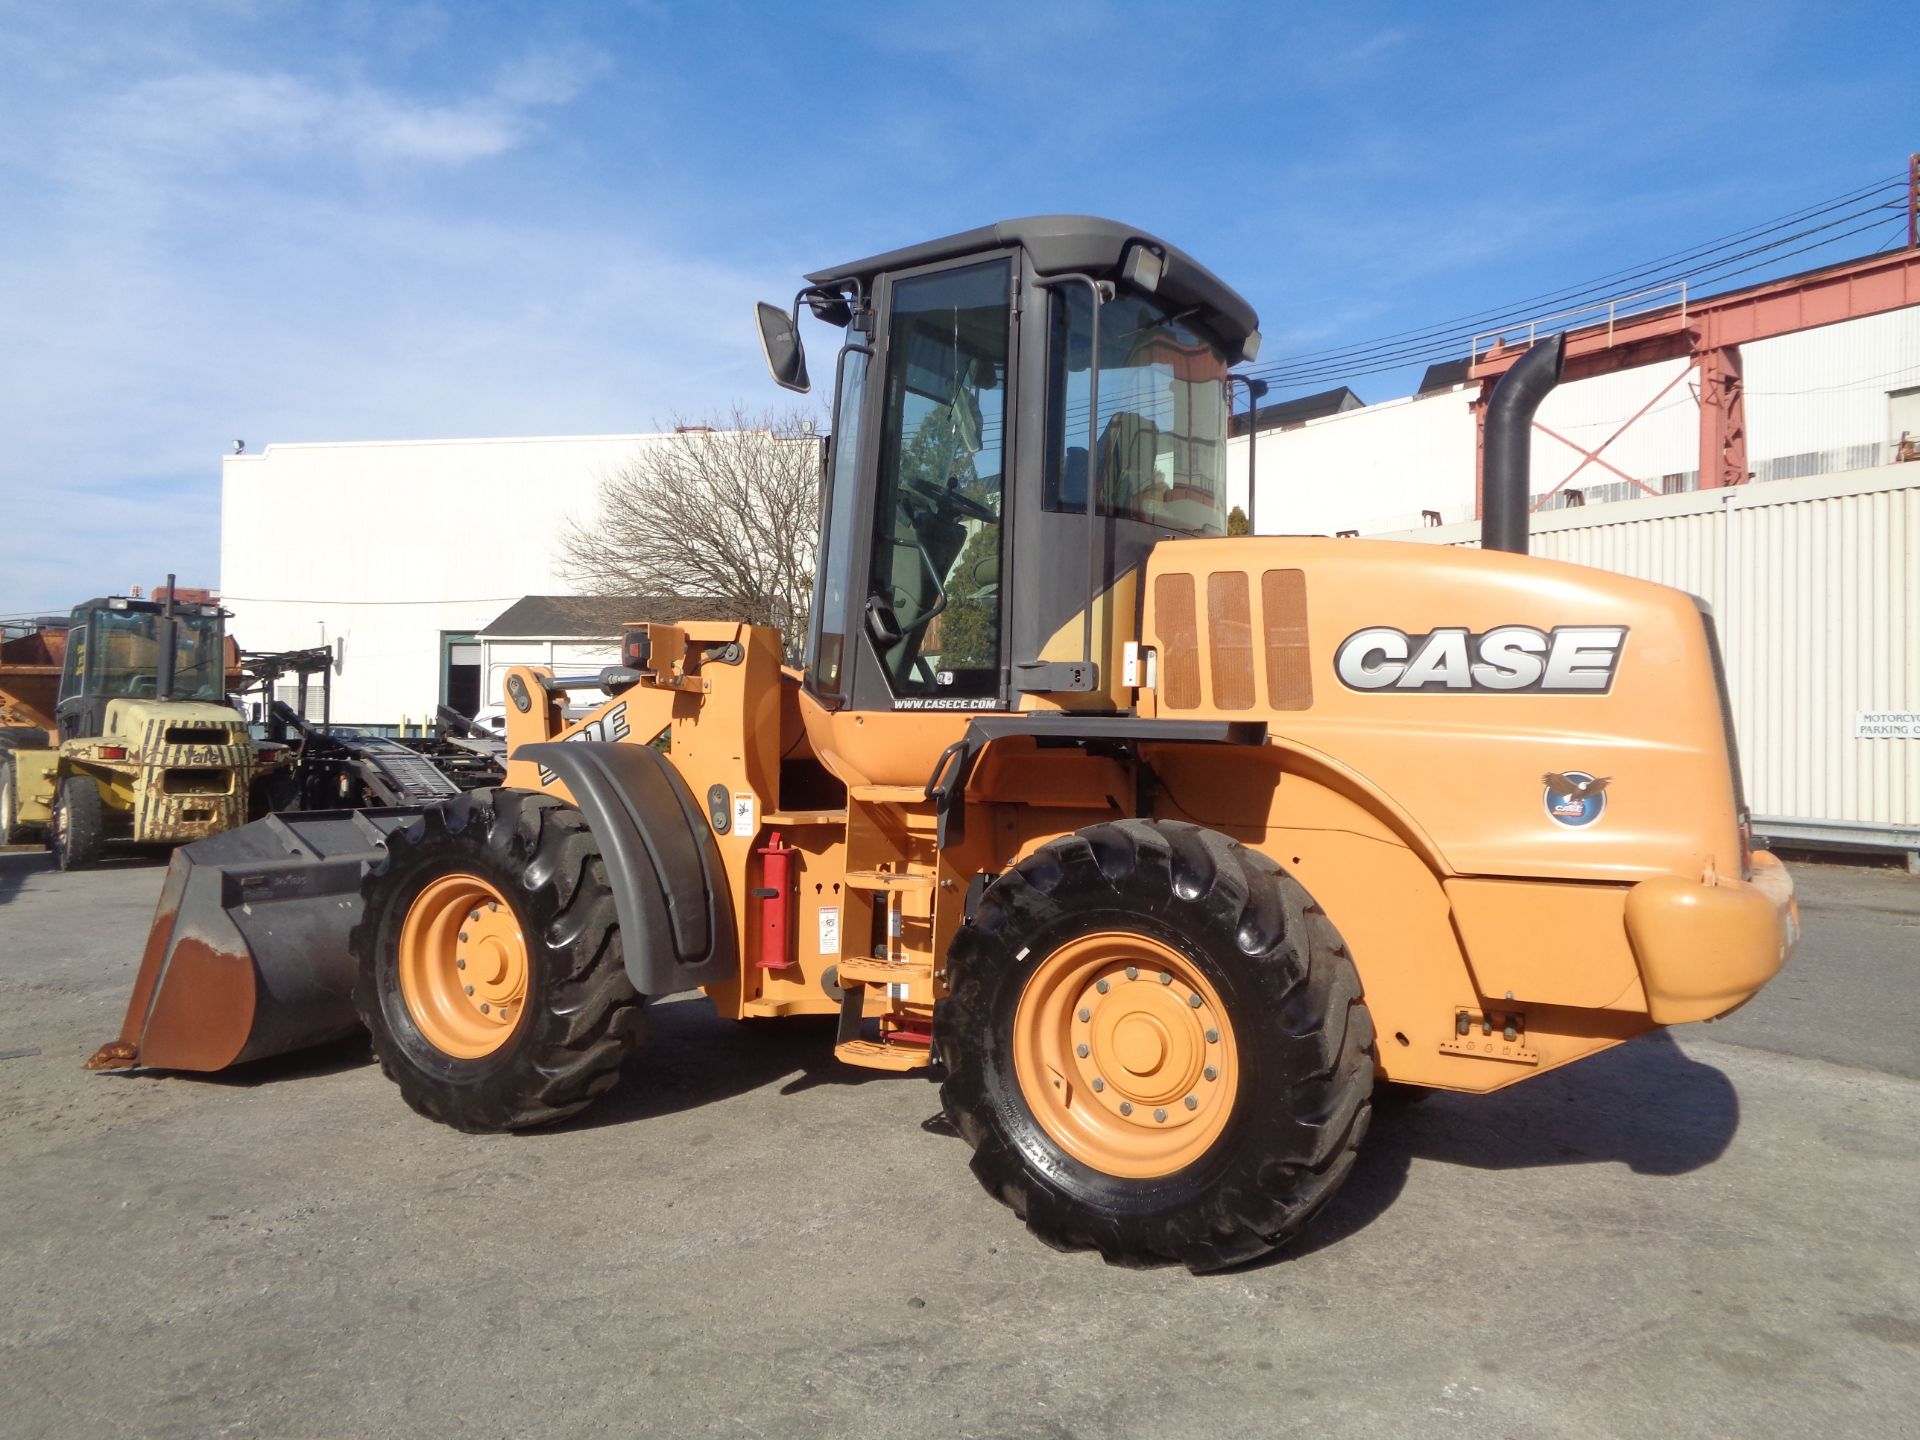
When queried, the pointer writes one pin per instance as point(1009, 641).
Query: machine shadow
point(353, 1053)
point(692, 1057)
point(17, 866)
point(1645, 1105)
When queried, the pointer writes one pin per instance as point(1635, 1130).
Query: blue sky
point(278, 221)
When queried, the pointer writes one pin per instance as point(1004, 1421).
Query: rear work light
point(636, 648)
point(113, 752)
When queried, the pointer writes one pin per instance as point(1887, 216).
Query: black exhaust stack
point(1505, 479)
point(169, 636)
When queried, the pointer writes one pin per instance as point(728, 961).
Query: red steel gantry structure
point(1709, 334)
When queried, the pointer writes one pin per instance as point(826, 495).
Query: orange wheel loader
point(1162, 848)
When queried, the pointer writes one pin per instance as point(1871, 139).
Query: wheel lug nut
point(1161, 1116)
point(469, 989)
point(493, 905)
point(1085, 1015)
point(1211, 1073)
point(1192, 1102)
point(1126, 1107)
point(1133, 972)
point(463, 937)
point(474, 916)
point(1082, 1051)
point(460, 964)
point(1165, 978)
point(1213, 1037)
point(1098, 1084)
point(485, 1008)
point(1194, 1001)
point(1102, 986)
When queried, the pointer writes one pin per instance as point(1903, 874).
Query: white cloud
point(204, 252)
point(224, 117)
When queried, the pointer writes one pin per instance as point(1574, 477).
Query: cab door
point(930, 614)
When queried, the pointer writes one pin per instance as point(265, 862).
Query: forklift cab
point(116, 649)
point(1020, 413)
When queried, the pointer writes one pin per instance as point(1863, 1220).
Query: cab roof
point(1061, 243)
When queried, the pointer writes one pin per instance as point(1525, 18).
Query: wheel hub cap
point(463, 965)
point(1135, 1088)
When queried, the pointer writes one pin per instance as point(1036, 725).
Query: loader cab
point(1020, 413)
point(115, 651)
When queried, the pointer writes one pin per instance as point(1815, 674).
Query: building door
point(460, 671)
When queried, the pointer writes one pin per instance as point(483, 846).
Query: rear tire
point(79, 823)
point(575, 1017)
point(1227, 945)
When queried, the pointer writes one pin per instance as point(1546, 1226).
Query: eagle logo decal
point(1574, 798)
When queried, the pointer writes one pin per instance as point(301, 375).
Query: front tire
point(490, 971)
point(79, 824)
point(1156, 1044)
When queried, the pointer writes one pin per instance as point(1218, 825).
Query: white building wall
point(1372, 470)
point(383, 546)
point(1825, 390)
point(1817, 402)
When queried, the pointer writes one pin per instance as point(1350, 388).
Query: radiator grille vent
point(1283, 615)
point(1179, 642)
point(1230, 639)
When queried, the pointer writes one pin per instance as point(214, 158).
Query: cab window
point(1162, 433)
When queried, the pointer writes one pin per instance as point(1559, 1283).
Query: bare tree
point(722, 517)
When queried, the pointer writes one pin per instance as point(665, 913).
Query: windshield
point(1163, 414)
point(122, 655)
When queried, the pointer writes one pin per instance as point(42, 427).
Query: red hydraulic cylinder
point(775, 895)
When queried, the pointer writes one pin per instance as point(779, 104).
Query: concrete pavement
point(1711, 1232)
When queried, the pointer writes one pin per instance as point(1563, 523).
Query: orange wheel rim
point(463, 966)
point(1124, 1054)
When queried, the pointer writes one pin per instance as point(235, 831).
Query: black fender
point(669, 888)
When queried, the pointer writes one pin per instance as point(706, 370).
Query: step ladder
point(891, 857)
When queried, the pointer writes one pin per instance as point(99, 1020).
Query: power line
point(1454, 347)
point(1452, 343)
point(1631, 272)
point(1446, 341)
point(1674, 263)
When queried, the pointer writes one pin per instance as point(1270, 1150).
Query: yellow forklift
point(143, 747)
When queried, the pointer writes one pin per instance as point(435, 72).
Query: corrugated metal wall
point(1815, 584)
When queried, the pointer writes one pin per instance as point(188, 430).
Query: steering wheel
point(951, 499)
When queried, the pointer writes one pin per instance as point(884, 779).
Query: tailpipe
point(1505, 474)
point(248, 953)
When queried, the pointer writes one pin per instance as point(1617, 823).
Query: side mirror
point(780, 339)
